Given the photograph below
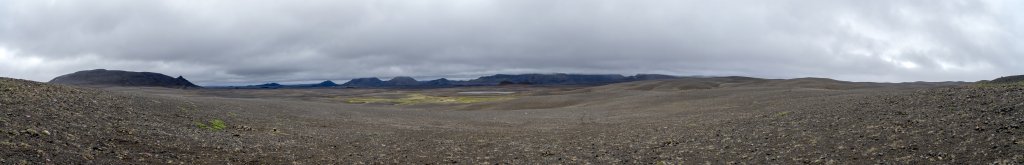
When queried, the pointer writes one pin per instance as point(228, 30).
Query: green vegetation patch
point(213, 125)
point(426, 99)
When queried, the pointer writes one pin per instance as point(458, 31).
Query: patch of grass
point(213, 125)
point(427, 99)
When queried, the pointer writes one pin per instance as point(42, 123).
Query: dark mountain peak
point(365, 82)
point(441, 80)
point(328, 83)
point(103, 77)
point(403, 81)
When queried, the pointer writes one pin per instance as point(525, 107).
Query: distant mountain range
point(103, 77)
point(499, 79)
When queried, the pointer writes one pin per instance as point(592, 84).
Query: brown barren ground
point(684, 121)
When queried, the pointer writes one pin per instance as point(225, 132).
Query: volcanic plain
point(716, 120)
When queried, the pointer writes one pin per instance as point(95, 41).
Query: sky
point(255, 41)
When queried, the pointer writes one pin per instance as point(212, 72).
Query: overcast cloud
point(248, 41)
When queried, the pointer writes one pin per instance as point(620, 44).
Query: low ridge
point(1008, 79)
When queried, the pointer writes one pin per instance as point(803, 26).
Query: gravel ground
point(660, 122)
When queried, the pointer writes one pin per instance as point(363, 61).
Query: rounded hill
point(103, 77)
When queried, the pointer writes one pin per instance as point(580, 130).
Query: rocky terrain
point(54, 124)
point(677, 121)
point(103, 77)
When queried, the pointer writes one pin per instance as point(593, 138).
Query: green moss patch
point(213, 125)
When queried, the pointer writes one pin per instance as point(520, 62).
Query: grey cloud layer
point(250, 41)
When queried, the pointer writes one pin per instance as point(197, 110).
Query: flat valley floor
point(682, 121)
